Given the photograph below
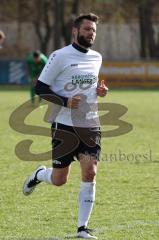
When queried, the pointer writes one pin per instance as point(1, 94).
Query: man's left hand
point(102, 89)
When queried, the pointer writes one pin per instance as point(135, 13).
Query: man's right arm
point(44, 91)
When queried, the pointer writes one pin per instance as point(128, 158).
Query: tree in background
point(64, 13)
point(42, 21)
point(52, 20)
point(147, 16)
point(146, 12)
point(148, 36)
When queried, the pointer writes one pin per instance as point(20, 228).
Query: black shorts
point(68, 142)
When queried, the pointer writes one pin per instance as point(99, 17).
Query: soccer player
point(70, 81)
point(35, 63)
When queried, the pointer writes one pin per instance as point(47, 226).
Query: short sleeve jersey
point(70, 72)
point(36, 68)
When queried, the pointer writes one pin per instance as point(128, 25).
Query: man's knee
point(90, 175)
point(60, 176)
point(59, 181)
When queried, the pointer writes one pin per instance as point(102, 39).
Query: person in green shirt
point(35, 63)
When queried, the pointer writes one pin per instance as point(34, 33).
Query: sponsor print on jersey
point(84, 79)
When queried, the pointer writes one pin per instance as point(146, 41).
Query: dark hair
point(36, 53)
point(91, 16)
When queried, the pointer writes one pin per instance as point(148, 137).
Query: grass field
point(127, 200)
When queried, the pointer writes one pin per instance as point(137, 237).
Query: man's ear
point(74, 32)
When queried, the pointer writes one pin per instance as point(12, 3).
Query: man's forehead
point(89, 23)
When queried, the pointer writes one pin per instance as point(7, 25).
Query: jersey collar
point(77, 47)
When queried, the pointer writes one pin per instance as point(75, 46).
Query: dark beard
point(83, 42)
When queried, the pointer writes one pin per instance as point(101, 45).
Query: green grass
point(127, 200)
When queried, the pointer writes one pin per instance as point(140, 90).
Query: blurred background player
point(2, 38)
point(35, 62)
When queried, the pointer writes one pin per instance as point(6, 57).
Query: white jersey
point(71, 72)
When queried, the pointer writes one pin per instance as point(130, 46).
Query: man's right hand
point(73, 102)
